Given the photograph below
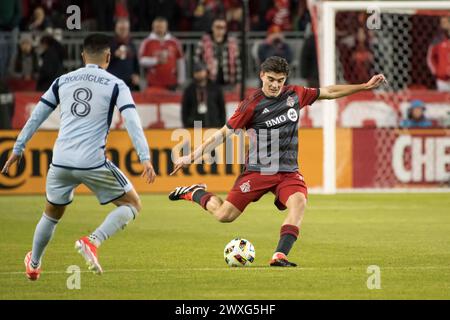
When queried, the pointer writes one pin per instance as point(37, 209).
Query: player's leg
point(110, 186)
point(289, 232)
point(249, 187)
point(291, 194)
point(127, 208)
point(223, 211)
point(60, 186)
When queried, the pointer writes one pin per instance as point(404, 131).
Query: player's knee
point(297, 200)
point(214, 203)
point(137, 204)
point(226, 218)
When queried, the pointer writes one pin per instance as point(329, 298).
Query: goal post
point(395, 18)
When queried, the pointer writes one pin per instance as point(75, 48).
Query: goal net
point(409, 42)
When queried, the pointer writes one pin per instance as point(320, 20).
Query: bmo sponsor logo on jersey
point(291, 115)
point(421, 159)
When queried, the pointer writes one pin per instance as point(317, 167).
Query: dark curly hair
point(275, 64)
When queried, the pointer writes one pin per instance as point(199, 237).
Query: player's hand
point(149, 173)
point(181, 163)
point(375, 82)
point(11, 160)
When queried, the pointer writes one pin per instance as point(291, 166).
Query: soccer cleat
point(185, 193)
point(32, 273)
point(280, 260)
point(89, 252)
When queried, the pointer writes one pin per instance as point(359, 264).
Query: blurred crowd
point(183, 15)
point(36, 54)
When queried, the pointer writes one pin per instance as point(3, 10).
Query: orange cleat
point(89, 252)
point(279, 259)
point(32, 273)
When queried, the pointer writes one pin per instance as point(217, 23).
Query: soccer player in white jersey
point(86, 98)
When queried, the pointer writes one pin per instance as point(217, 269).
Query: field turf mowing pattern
point(174, 250)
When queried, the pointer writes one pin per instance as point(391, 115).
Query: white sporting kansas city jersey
point(87, 98)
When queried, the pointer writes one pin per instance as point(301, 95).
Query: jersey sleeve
point(306, 96)
point(124, 98)
point(51, 96)
point(40, 113)
point(241, 117)
point(46, 105)
point(127, 108)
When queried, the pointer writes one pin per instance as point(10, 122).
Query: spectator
point(280, 15)
point(10, 14)
point(258, 11)
point(234, 14)
point(416, 116)
point(162, 55)
point(39, 21)
point(124, 63)
point(220, 53)
point(52, 62)
point(24, 66)
point(205, 12)
point(302, 18)
point(203, 101)
point(274, 45)
point(438, 57)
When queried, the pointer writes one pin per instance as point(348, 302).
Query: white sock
point(42, 236)
point(115, 221)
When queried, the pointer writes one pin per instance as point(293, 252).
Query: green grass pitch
point(175, 250)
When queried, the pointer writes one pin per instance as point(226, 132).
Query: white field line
point(247, 268)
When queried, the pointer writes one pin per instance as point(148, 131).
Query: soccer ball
point(239, 253)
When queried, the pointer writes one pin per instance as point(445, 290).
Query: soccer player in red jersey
point(272, 111)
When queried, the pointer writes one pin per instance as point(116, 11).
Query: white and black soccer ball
point(239, 253)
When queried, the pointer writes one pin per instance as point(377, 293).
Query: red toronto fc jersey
point(272, 126)
point(162, 75)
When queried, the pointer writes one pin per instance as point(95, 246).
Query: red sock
point(202, 197)
point(288, 235)
point(289, 229)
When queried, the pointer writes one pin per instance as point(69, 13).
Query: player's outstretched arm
point(343, 90)
point(38, 116)
point(207, 146)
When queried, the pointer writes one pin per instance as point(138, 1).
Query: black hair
point(96, 43)
point(275, 64)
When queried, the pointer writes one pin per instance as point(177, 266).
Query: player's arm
point(41, 112)
point(207, 146)
point(133, 125)
point(343, 90)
